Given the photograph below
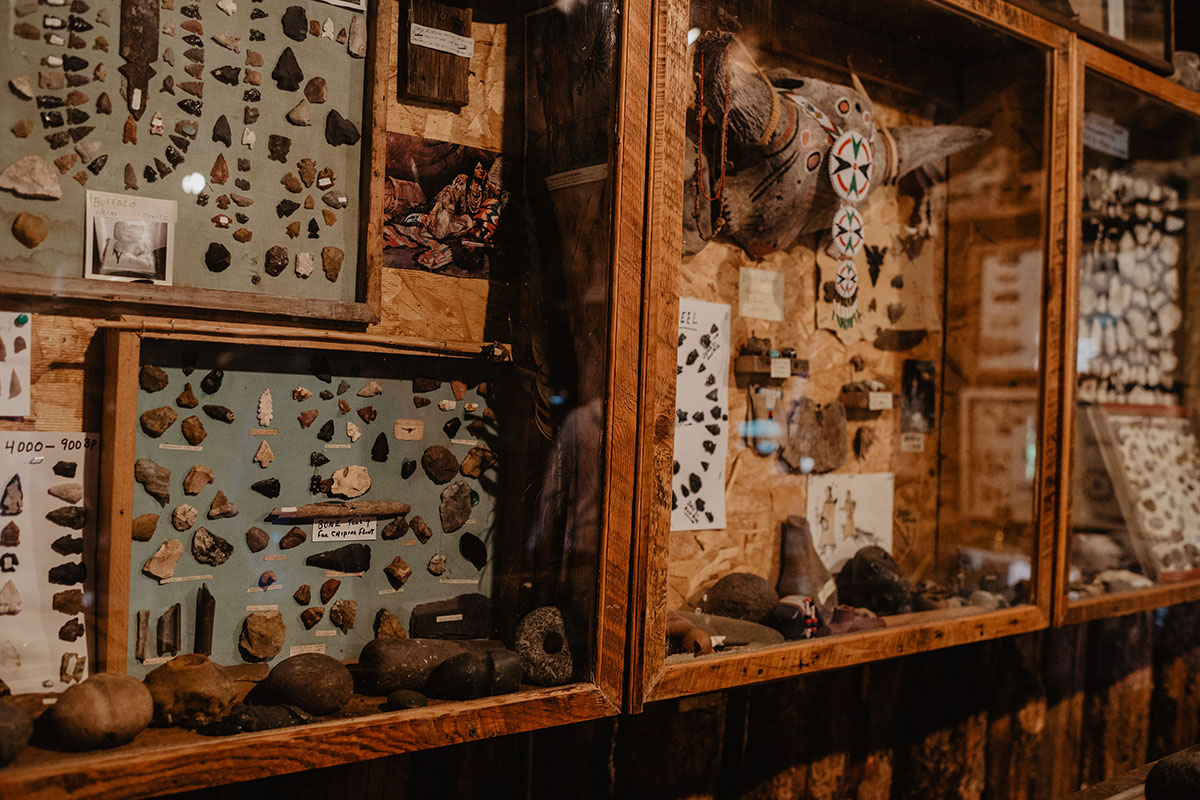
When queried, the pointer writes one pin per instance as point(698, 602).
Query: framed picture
point(997, 429)
point(1153, 461)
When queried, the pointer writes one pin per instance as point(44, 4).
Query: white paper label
point(465, 442)
point(577, 177)
point(343, 530)
point(912, 443)
point(1103, 134)
point(443, 41)
point(781, 368)
point(264, 431)
point(760, 294)
point(1116, 19)
point(325, 633)
point(262, 608)
point(182, 578)
point(879, 401)
point(194, 447)
point(448, 618)
point(298, 649)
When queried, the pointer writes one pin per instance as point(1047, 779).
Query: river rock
point(386, 665)
point(343, 614)
point(31, 177)
point(189, 691)
point(872, 579)
point(197, 478)
point(30, 229)
point(472, 548)
point(14, 497)
point(221, 508)
point(440, 464)
point(455, 508)
point(403, 699)
point(187, 398)
point(338, 130)
point(155, 479)
point(106, 710)
point(477, 461)
point(249, 719)
point(315, 682)
point(183, 517)
point(67, 492)
point(422, 530)
point(16, 728)
point(350, 482)
point(262, 636)
point(467, 616)
point(541, 642)
point(208, 548)
point(73, 517)
point(354, 557)
point(1176, 777)
point(398, 572)
point(257, 539)
point(329, 589)
point(470, 675)
point(156, 421)
point(161, 565)
point(387, 626)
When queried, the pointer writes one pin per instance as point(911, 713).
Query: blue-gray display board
point(419, 429)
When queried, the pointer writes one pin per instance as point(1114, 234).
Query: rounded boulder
point(190, 690)
point(106, 710)
point(741, 595)
point(315, 682)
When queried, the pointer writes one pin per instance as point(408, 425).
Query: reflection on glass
point(1136, 506)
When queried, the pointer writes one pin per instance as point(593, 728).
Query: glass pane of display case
point(1143, 27)
point(859, 343)
point(1135, 507)
point(281, 525)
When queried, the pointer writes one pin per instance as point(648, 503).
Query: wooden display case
point(424, 315)
point(1162, 134)
point(203, 170)
point(1143, 33)
point(1026, 222)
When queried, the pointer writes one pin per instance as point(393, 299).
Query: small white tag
point(262, 608)
point(912, 443)
point(465, 442)
point(781, 368)
point(1104, 134)
point(443, 41)
point(333, 573)
point(264, 431)
point(459, 580)
point(325, 632)
point(276, 557)
point(158, 660)
point(343, 530)
point(577, 177)
point(879, 401)
point(298, 649)
point(448, 618)
point(391, 591)
point(182, 578)
point(193, 447)
point(337, 447)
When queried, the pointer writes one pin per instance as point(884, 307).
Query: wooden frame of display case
point(175, 760)
point(651, 678)
point(1135, 78)
point(81, 295)
point(1162, 66)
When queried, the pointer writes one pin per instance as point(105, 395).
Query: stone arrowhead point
point(266, 408)
point(265, 455)
point(32, 177)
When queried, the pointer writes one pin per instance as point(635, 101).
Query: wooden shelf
point(163, 760)
point(906, 633)
point(1119, 604)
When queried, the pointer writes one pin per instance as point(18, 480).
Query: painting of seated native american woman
point(444, 207)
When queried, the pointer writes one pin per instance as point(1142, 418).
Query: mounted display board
point(189, 156)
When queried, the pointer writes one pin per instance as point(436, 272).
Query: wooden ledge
point(167, 760)
point(1119, 604)
point(905, 634)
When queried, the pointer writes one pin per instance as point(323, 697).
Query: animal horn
point(916, 147)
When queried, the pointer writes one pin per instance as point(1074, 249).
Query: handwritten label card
point(343, 530)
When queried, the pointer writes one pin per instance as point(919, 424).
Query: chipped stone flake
point(266, 409)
